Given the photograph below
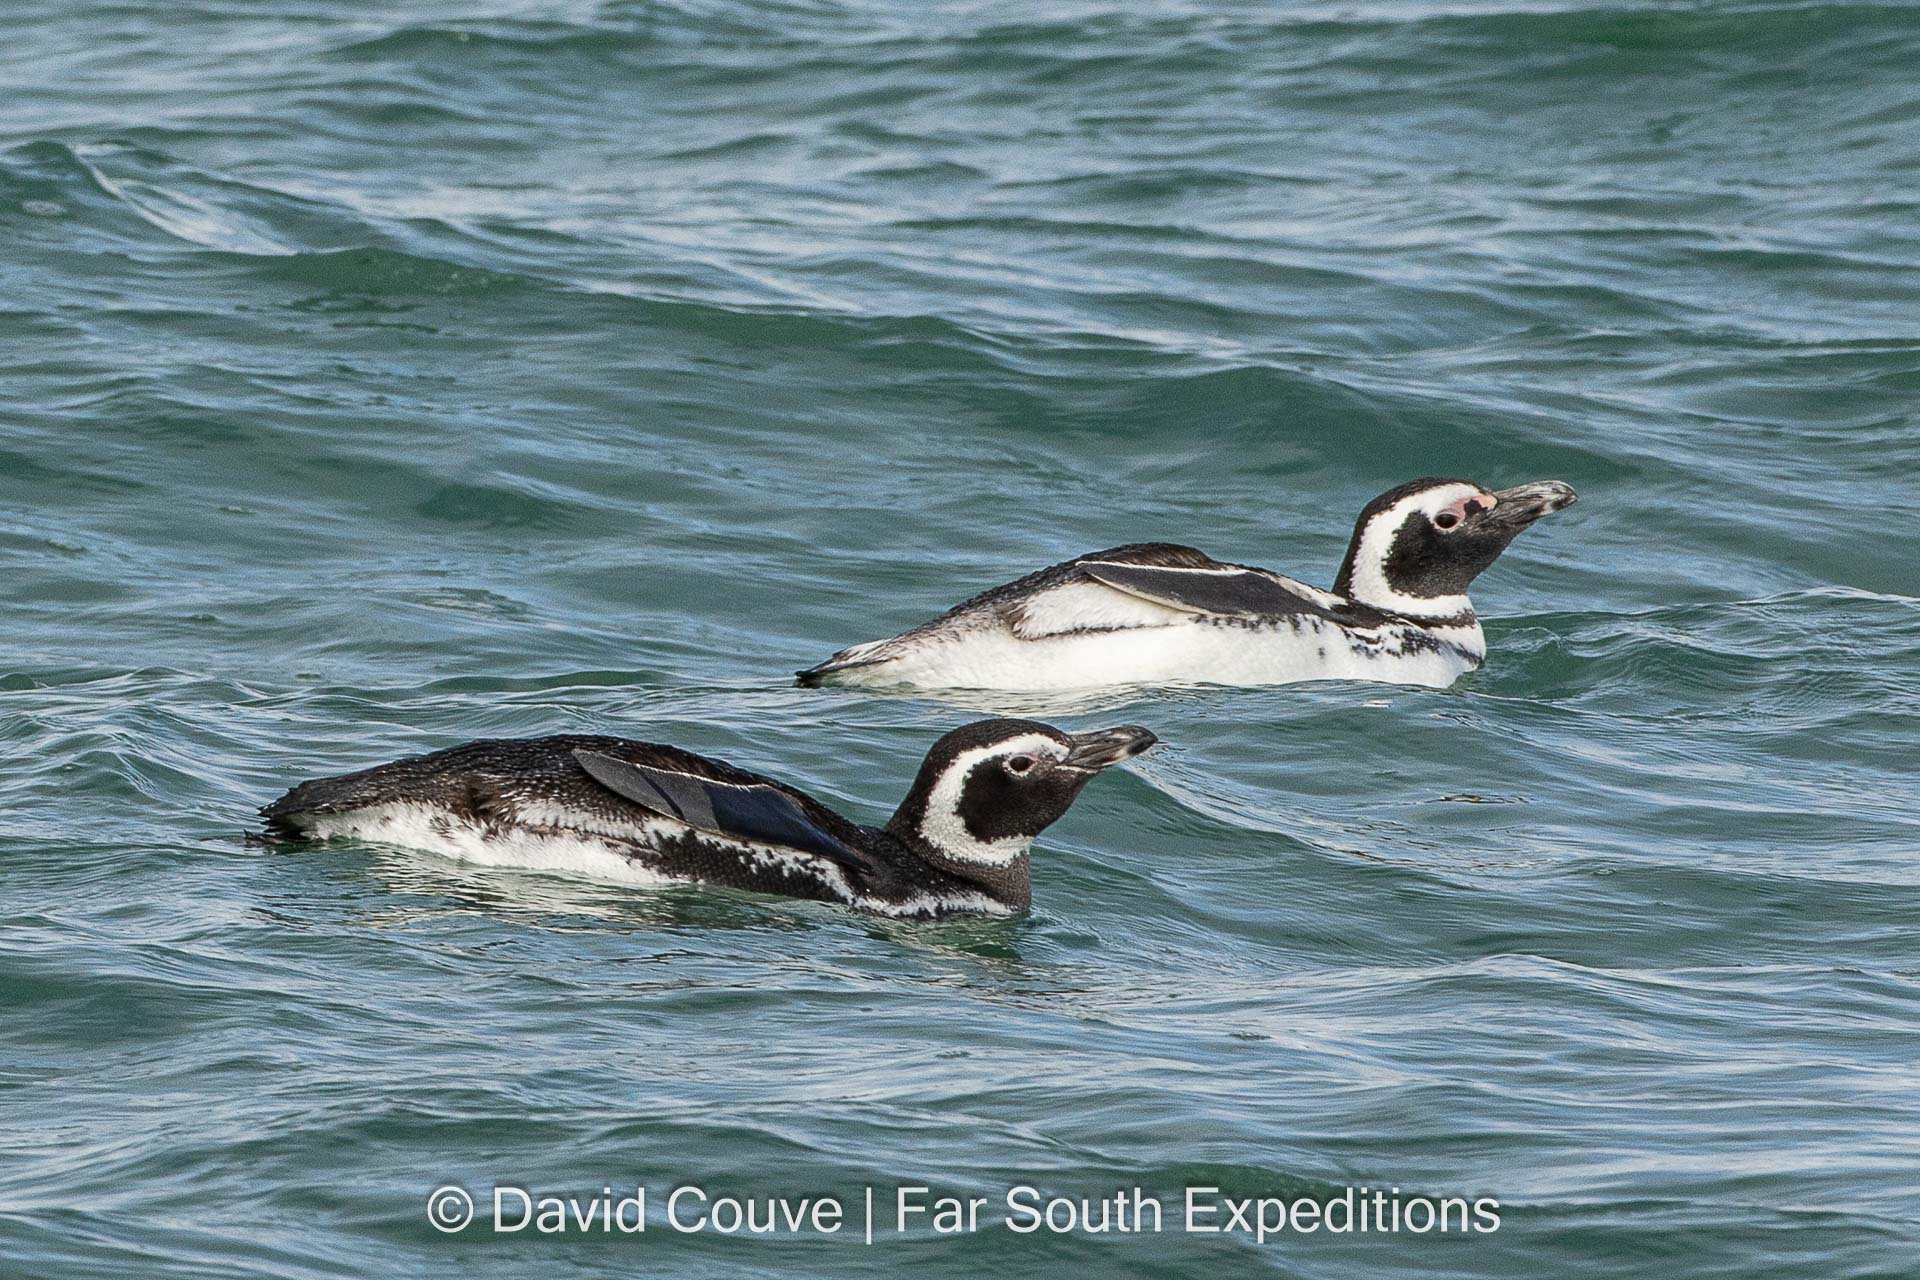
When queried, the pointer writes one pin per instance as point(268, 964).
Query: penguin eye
point(1451, 516)
point(1017, 765)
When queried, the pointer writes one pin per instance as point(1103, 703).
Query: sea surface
point(377, 377)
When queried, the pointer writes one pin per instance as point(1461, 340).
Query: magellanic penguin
point(1160, 613)
point(656, 814)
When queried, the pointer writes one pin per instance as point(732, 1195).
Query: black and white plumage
point(655, 814)
point(1161, 613)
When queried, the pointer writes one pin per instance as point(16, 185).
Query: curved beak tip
point(1105, 747)
point(1561, 497)
point(1525, 503)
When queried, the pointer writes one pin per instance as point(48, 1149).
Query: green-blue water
point(377, 377)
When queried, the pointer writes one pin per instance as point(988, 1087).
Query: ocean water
point(379, 377)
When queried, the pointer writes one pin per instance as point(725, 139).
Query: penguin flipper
point(1227, 591)
point(758, 813)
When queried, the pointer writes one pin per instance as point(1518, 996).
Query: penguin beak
point(1518, 507)
point(1104, 747)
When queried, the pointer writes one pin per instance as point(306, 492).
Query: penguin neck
point(1006, 877)
point(1365, 583)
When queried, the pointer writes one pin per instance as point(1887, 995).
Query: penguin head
point(1416, 549)
point(988, 788)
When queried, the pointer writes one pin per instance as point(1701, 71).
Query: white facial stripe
point(942, 826)
point(1376, 542)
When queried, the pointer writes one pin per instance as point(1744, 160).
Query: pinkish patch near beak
point(1471, 505)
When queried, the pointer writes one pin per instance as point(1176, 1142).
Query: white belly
point(433, 830)
point(419, 826)
point(1184, 653)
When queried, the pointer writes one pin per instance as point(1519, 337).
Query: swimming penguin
point(1160, 613)
point(656, 814)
